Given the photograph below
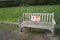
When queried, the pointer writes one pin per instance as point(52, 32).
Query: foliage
point(40, 2)
point(29, 2)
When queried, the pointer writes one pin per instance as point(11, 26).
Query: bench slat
point(47, 18)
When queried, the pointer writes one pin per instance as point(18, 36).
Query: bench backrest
point(44, 17)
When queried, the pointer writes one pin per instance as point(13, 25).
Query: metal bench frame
point(45, 18)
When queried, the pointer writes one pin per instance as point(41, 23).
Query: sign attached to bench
point(35, 19)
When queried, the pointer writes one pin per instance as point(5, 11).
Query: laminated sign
point(35, 18)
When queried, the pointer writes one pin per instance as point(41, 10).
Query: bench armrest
point(20, 20)
point(53, 21)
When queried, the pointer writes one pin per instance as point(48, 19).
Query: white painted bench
point(46, 21)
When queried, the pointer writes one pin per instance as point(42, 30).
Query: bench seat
point(36, 25)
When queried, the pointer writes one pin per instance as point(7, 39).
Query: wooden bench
point(46, 21)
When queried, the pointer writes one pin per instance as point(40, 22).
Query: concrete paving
point(14, 34)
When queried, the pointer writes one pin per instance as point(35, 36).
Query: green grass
point(11, 14)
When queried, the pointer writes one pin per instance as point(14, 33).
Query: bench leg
point(21, 29)
point(52, 32)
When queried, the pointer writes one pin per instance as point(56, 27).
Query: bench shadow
point(37, 31)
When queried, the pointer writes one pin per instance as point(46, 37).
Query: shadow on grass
point(37, 31)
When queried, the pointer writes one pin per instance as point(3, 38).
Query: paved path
point(14, 34)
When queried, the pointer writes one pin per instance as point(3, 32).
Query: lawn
point(11, 14)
